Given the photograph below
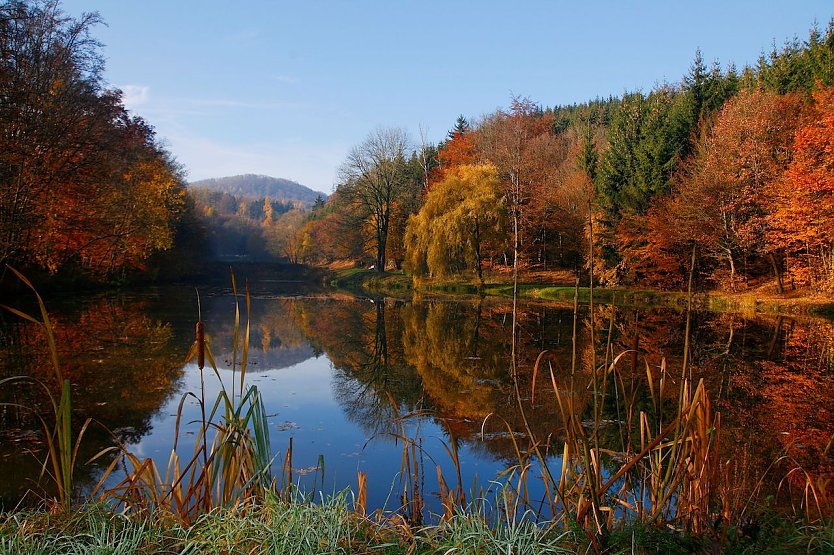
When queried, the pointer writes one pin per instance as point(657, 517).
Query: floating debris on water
point(284, 426)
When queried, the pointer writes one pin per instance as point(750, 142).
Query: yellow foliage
point(462, 215)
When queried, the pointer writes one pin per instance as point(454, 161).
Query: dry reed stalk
point(231, 460)
point(62, 451)
point(362, 498)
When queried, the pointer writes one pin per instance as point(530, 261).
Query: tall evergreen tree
point(461, 127)
point(695, 82)
point(588, 156)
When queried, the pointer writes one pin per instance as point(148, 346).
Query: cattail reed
point(201, 345)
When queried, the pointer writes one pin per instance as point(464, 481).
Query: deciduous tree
point(373, 177)
point(461, 215)
point(801, 222)
point(82, 182)
point(719, 200)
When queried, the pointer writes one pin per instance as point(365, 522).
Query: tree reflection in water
point(370, 368)
point(771, 378)
point(123, 366)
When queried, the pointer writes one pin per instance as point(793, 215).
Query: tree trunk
point(477, 244)
point(380, 349)
point(779, 287)
point(382, 241)
point(777, 332)
point(732, 269)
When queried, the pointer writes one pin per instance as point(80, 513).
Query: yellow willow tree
point(462, 214)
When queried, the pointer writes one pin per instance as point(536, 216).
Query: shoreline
point(750, 303)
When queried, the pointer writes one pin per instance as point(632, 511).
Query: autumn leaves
point(739, 164)
point(755, 196)
point(83, 183)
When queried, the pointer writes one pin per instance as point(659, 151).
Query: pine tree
point(695, 82)
point(461, 127)
point(588, 156)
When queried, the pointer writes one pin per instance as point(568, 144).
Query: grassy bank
point(334, 525)
point(275, 525)
point(758, 301)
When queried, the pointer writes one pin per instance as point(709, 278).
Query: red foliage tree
point(802, 220)
point(458, 151)
point(720, 200)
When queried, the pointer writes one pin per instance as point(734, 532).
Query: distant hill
point(260, 186)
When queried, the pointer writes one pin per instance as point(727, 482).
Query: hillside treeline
point(85, 187)
point(244, 227)
point(736, 163)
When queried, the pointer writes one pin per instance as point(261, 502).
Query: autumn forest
point(733, 161)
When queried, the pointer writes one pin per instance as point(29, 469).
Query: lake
point(352, 380)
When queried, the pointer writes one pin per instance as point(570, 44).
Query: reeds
point(230, 463)
point(664, 472)
point(62, 451)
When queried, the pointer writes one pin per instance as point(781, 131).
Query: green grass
point(276, 525)
point(94, 529)
point(350, 279)
point(302, 526)
point(388, 281)
point(824, 310)
point(358, 280)
point(394, 283)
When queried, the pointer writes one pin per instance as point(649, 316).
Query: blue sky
point(286, 88)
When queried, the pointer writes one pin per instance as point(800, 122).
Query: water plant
point(633, 459)
point(62, 447)
point(230, 463)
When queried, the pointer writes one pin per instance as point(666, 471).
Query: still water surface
point(329, 368)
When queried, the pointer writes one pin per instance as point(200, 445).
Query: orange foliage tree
point(719, 201)
point(802, 221)
point(82, 182)
point(514, 142)
point(459, 150)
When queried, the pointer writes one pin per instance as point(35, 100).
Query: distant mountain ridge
point(260, 186)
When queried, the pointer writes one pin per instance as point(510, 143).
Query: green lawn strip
point(363, 281)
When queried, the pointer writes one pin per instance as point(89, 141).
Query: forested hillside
point(735, 163)
point(245, 225)
point(261, 186)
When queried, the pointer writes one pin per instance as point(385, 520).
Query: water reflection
point(371, 369)
point(771, 378)
point(122, 366)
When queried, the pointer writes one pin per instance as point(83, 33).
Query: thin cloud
point(244, 35)
point(134, 96)
point(286, 79)
point(172, 110)
point(232, 103)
